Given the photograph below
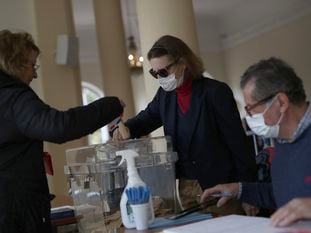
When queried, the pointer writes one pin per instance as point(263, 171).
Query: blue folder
point(59, 213)
point(194, 217)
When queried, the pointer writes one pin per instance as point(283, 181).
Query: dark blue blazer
point(217, 148)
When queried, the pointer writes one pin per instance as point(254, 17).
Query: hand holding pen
point(194, 208)
point(224, 192)
point(211, 200)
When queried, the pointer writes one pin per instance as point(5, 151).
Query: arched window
point(91, 93)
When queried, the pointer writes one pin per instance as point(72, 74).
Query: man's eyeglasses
point(248, 108)
point(35, 66)
point(163, 73)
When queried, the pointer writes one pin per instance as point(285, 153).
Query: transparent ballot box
point(96, 180)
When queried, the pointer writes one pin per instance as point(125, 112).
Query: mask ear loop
point(269, 104)
point(281, 118)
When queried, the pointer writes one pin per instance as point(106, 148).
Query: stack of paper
point(62, 212)
point(239, 224)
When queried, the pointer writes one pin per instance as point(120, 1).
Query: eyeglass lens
point(163, 73)
point(36, 66)
point(248, 108)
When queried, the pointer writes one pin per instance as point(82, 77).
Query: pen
point(223, 194)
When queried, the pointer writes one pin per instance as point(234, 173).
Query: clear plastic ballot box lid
point(96, 180)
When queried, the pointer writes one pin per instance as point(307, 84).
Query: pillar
point(113, 52)
point(162, 17)
point(61, 85)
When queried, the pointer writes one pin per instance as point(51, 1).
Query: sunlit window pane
point(91, 93)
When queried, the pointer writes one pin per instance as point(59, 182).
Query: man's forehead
point(248, 90)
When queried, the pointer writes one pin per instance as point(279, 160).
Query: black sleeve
point(229, 122)
point(147, 120)
point(39, 121)
point(258, 194)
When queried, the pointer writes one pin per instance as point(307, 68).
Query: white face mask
point(170, 83)
point(257, 124)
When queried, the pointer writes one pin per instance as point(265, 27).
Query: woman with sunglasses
point(201, 117)
point(25, 122)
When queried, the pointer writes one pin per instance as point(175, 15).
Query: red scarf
point(184, 95)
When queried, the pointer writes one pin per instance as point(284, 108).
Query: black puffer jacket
point(25, 122)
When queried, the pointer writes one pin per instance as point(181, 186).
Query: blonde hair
point(15, 50)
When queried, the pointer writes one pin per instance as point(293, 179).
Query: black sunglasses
point(163, 73)
point(248, 108)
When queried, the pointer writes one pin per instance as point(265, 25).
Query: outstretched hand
point(296, 209)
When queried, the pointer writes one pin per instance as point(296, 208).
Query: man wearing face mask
point(257, 121)
point(276, 107)
point(201, 117)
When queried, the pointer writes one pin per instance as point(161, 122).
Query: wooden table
point(64, 221)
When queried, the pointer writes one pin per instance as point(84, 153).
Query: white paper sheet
point(239, 224)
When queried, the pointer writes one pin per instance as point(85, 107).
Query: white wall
point(214, 64)
point(291, 42)
point(19, 15)
point(139, 90)
point(23, 17)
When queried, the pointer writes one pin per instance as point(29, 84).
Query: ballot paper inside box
point(96, 180)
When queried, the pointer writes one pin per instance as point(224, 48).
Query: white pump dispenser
point(134, 180)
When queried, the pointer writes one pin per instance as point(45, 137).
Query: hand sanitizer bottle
point(134, 180)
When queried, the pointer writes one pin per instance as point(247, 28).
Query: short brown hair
point(177, 49)
point(272, 76)
point(15, 49)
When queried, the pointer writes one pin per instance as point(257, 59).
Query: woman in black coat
point(25, 122)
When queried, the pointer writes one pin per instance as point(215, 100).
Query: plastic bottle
point(134, 180)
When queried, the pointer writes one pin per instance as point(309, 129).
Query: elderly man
point(276, 107)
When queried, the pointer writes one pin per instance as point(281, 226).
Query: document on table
point(239, 224)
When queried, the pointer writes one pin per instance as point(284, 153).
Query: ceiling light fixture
point(135, 61)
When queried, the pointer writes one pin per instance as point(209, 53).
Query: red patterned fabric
point(184, 96)
point(48, 163)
